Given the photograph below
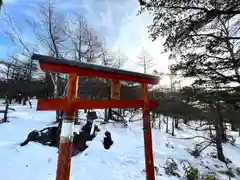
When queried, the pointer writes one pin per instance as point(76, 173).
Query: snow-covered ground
point(123, 161)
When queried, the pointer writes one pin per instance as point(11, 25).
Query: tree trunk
point(6, 111)
point(233, 126)
point(10, 100)
point(210, 131)
point(190, 118)
point(106, 115)
point(76, 116)
point(54, 78)
point(238, 128)
point(123, 111)
point(159, 123)
point(153, 115)
point(185, 121)
point(30, 104)
point(58, 116)
point(176, 123)
point(173, 127)
point(109, 113)
point(167, 125)
point(19, 99)
point(153, 120)
point(220, 122)
point(220, 154)
point(24, 100)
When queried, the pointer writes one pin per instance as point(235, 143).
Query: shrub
point(171, 167)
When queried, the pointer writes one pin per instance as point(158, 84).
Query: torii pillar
point(66, 136)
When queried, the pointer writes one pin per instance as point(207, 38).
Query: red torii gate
point(70, 103)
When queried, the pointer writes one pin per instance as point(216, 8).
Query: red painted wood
point(147, 132)
point(60, 104)
point(102, 104)
point(93, 73)
point(65, 145)
point(64, 161)
point(51, 104)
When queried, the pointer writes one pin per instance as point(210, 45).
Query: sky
point(115, 20)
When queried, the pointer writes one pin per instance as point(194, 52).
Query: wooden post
point(115, 89)
point(149, 163)
point(66, 136)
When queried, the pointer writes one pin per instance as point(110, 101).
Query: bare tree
point(49, 30)
point(48, 26)
point(15, 35)
point(109, 62)
point(120, 59)
point(146, 60)
point(86, 46)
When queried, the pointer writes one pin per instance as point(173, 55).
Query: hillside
point(123, 161)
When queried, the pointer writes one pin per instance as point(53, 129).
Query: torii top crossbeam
point(91, 70)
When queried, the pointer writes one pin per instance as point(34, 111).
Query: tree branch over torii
point(1, 4)
point(212, 11)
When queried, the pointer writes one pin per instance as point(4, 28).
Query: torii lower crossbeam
point(60, 104)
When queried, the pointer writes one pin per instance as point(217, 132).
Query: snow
point(123, 161)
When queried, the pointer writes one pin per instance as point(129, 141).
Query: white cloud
point(132, 36)
point(118, 23)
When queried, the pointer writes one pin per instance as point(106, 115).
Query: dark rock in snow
point(107, 142)
point(50, 136)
